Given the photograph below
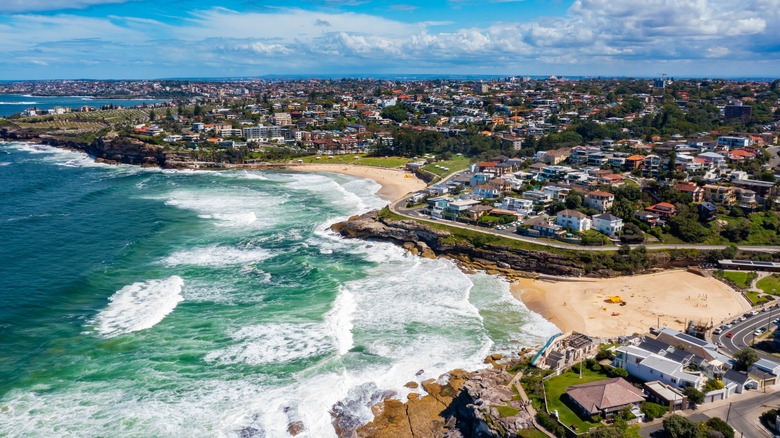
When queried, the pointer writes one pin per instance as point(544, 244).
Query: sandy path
point(671, 298)
point(395, 182)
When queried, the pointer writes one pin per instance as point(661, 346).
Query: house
point(604, 397)
point(538, 197)
point(612, 179)
point(719, 195)
point(461, 205)
point(713, 158)
point(486, 191)
point(666, 395)
point(565, 351)
point(695, 192)
point(649, 366)
point(663, 209)
point(540, 226)
point(634, 162)
point(740, 155)
point(574, 220)
point(553, 157)
point(648, 217)
point(599, 200)
point(767, 366)
point(523, 206)
point(741, 379)
point(608, 224)
point(708, 212)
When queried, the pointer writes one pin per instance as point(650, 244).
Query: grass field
point(363, 160)
point(454, 165)
point(556, 394)
point(770, 284)
point(740, 278)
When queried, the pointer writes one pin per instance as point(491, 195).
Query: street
point(743, 416)
point(742, 333)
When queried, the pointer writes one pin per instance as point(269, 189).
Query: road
point(743, 416)
point(775, 160)
point(743, 333)
point(509, 234)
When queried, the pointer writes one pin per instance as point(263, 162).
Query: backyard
point(556, 394)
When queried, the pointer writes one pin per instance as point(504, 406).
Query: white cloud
point(50, 5)
point(592, 33)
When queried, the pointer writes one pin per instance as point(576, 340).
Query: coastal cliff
point(458, 404)
point(430, 242)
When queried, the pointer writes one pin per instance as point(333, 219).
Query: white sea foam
point(5, 164)
point(339, 320)
point(231, 207)
point(274, 343)
point(19, 103)
point(139, 306)
point(217, 256)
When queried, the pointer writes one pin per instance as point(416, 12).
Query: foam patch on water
point(274, 343)
point(339, 320)
point(139, 306)
point(231, 207)
point(217, 256)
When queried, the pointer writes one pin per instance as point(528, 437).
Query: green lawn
point(363, 160)
point(453, 165)
point(754, 298)
point(770, 284)
point(556, 395)
point(738, 277)
point(532, 433)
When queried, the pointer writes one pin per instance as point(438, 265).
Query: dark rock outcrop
point(429, 242)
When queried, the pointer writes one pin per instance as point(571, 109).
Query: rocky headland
point(495, 257)
point(458, 404)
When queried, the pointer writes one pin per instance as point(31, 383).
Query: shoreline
point(396, 183)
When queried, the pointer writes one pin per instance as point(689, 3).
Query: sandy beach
point(395, 182)
point(671, 298)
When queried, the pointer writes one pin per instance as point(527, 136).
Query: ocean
point(150, 303)
point(15, 103)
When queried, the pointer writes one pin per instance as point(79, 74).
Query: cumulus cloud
point(593, 34)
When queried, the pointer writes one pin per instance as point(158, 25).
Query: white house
point(519, 205)
point(648, 366)
point(485, 191)
point(574, 220)
point(608, 224)
point(599, 200)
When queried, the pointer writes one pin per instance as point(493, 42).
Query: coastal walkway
point(414, 215)
point(515, 382)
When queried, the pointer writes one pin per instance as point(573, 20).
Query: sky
point(145, 39)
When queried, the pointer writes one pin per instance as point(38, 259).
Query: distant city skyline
point(137, 39)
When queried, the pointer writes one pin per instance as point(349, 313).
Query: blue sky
point(47, 39)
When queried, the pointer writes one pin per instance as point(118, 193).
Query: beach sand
point(671, 297)
point(395, 182)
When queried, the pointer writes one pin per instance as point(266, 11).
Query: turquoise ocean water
point(149, 303)
point(15, 103)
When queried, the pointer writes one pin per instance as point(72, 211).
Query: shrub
point(694, 395)
point(549, 423)
point(712, 385)
point(721, 426)
point(653, 410)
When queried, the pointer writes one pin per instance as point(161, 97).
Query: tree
point(653, 410)
point(623, 208)
point(680, 427)
point(152, 115)
point(721, 426)
point(745, 358)
point(396, 113)
point(694, 395)
point(687, 227)
point(573, 200)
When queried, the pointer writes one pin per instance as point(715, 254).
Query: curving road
point(742, 333)
point(509, 234)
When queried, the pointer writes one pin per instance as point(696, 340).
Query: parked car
point(729, 335)
point(717, 331)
